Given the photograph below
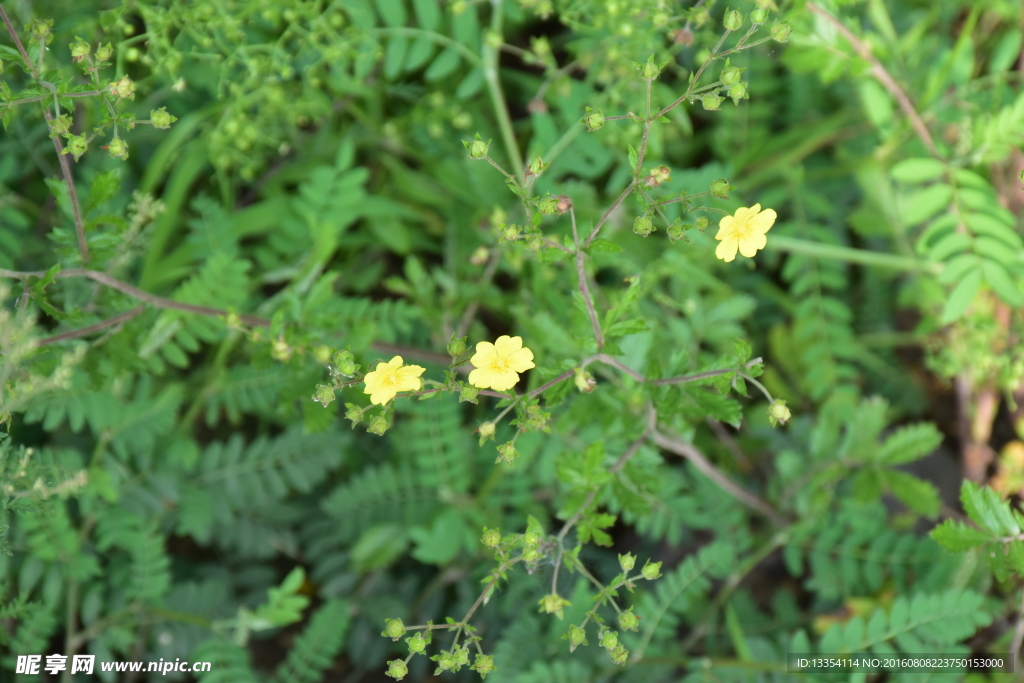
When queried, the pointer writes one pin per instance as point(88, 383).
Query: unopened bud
point(594, 120)
point(344, 363)
point(702, 222)
point(712, 101)
point(77, 144)
point(60, 125)
point(738, 92)
point(778, 413)
point(324, 395)
point(564, 204)
point(584, 381)
point(643, 226)
point(117, 148)
point(123, 88)
point(417, 644)
point(378, 425)
point(731, 74)
point(483, 665)
point(720, 188)
point(508, 453)
point(161, 119)
point(491, 538)
point(629, 621)
point(609, 639)
point(780, 32)
point(547, 205)
point(457, 346)
point(104, 52)
point(537, 166)
point(468, 393)
point(627, 562)
point(397, 669)
point(651, 570)
point(733, 20)
point(393, 629)
point(477, 148)
point(79, 50)
point(577, 636)
point(758, 16)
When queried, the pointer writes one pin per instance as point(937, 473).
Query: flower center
point(500, 364)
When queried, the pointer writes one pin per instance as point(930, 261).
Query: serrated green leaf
point(601, 244)
point(957, 536)
point(988, 510)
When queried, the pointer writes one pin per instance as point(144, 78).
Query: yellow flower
point(744, 231)
point(498, 364)
point(389, 378)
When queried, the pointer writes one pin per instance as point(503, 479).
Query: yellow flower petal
point(726, 227)
point(727, 249)
point(485, 355)
point(750, 245)
point(521, 360)
point(506, 345)
point(763, 222)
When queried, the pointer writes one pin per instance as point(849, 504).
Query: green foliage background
point(171, 489)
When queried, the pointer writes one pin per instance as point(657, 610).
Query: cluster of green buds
point(609, 640)
point(451, 660)
point(41, 31)
point(80, 49)
point(507, 452)
point(532, 541)
point(549, 205)
point(536, 419)
point(658, 175)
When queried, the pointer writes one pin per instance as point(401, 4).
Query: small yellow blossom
point(389, 378)
point(498, 364)
point(744, 231)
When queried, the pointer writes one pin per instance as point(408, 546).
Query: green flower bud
point(537, 419)
point(758, 16)
point(584, 381)
point(161, 119)
point(650, 70)
point(608, 639)
point(733, 20)
point(720, 188)
point(738, 92)
point(491, 538)
point(104, 52)
point(393, 629)
point(532, 555)
point(577, 636)
point(417, 644)
point(378, 425)
point(643, 226)
point(344, 363)
point(778, 413)
point(445, 662)
point(532, 538)
point(712, 101)
point(553, 604)
point(457, 346)
point(677, 231)
point(619, 655)
point(780, 32)
point(354, 413)
point(461, 656)
point(468, 393)
point(537, 166)
point(483, 665)
point(79, 50)
point(629, 621)
point(509, 233)
point(77, 144)
point(730, 74)
point(397, 669)
point(651, 570)
point(60, 125)
point(486, 431)
point(508, 453)
point(703, 221)
point(124, 88)
point(594, 120)
point(40, 30)
point(279, 348)
point(547, 205)
point(477, 148)
point(493, 39)
point(118, 149)
point(627, 562)
point(322, 354)
point(324, 395)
